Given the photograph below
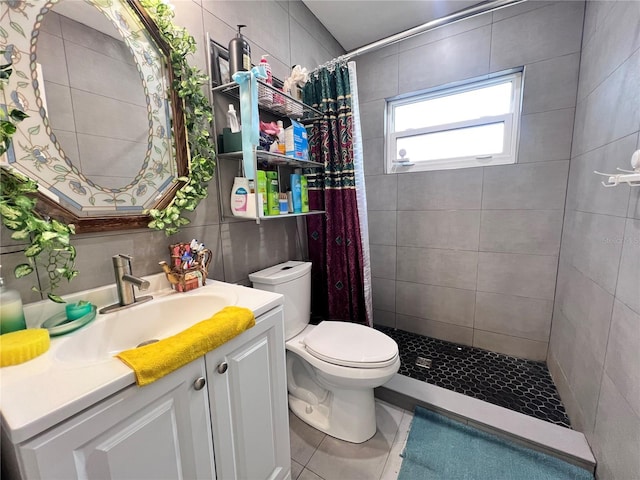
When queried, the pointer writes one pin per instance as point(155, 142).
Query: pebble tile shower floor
point(521, 385)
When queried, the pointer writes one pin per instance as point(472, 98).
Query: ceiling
point(355, 23)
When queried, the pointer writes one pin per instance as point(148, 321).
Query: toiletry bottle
point(284, 207)
point(262, 191)
point(240, 196)
point(239, 54)
point(11, 313)
point(232, 119)
point(273, 200)
point(290, 200)
point(281, 142)
point(304, 193)
point(297, 193)
point(266, 94)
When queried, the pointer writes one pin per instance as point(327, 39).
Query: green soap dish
point(59, 324)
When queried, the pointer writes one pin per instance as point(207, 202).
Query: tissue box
point(295, 140)
point(231, 142)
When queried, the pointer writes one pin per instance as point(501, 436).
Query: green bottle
point(273, 200)
point(262, 190)
point(304, 193)
point(11, 313)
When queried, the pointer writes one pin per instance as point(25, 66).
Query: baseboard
point(561, 442)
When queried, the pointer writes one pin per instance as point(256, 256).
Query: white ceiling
point(355, 23)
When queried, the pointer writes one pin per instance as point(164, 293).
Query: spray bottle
point(266, 94)
point(232, 119)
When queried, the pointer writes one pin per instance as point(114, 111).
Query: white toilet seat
point(351, 345)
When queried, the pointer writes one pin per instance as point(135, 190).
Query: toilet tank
point(293, 281)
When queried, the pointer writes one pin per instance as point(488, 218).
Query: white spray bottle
point(232, 119)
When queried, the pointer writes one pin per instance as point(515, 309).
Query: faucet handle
point(122, 261)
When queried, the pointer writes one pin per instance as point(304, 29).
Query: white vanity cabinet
point(154, 432)
point(223, 416)
point(248, 397)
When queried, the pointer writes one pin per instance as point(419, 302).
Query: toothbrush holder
point(188, 270)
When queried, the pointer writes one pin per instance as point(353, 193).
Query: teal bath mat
point(439, 448)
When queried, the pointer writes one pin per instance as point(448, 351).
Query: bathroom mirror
point(105, 138)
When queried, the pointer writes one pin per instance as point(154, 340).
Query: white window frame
point(511, 122)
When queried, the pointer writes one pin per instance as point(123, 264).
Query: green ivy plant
point(188, 82)
point(50, 244)
point(49, 239)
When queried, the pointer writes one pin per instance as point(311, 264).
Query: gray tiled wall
point(290, 34)
point(594, 352)
point(471, 255)
point(86, 71)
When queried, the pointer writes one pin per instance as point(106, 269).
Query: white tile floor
point(317, 456)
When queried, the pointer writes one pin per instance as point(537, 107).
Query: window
point(469, 125)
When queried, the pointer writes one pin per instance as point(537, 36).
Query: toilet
point(332, 367)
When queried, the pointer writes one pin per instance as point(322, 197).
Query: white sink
point(160, 318)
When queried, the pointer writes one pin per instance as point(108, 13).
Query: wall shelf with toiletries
point(274, 101)
point(272, 158)
point(286, 190)
point(287, 215)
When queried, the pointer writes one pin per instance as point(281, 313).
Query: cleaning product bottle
point(273, 194)
point(11, 313)
point(232, 119)
point(297, 192)
point(281, 141)
point(262, 192)
point(240, 196)
point(266, 94)
point(304, 193)
point(239, 54)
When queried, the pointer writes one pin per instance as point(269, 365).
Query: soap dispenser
point(239, 54)
point(11, 313)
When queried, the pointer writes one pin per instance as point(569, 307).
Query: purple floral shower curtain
point(334, 239)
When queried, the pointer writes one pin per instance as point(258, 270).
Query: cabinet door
point(248, 395)
point(159, 431)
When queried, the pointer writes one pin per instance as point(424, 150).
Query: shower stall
point(521, 385)
point(465, 261)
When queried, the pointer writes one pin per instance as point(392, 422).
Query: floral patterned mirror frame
point(40, 145)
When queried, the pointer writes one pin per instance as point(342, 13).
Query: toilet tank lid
point(281, 273)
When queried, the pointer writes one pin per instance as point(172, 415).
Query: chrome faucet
point(124, 285)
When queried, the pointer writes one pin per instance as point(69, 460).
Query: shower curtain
point(338, 240)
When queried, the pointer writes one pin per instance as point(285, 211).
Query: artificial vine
point(188, 83)
point(49, 239)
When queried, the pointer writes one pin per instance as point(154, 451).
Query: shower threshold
point(524, 386)
point(558, 441)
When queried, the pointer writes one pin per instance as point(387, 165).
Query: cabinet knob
point(222, 368)
point(199, 383)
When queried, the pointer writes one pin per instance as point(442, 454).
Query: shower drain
point(423, 362)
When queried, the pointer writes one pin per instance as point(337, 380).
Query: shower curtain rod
point(484, 7)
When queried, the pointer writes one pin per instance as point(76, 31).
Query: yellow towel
point(156, 360)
